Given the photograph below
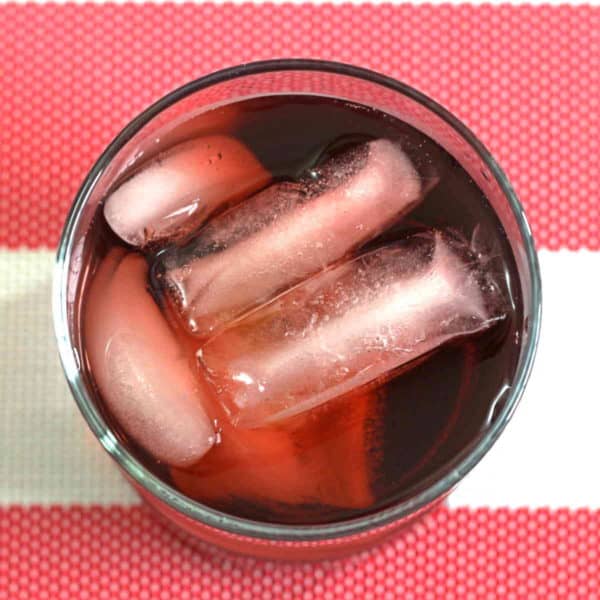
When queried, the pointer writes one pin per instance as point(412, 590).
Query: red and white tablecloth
point(526, 522)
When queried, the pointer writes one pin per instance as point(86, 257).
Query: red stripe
point(527, 79)
point(124, 553)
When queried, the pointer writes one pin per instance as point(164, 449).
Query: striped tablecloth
point(526, 522)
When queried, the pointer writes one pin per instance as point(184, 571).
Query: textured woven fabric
point(526, 80)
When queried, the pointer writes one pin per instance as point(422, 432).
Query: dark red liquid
point(363, 452)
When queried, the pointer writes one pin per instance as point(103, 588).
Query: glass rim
point(444, 480)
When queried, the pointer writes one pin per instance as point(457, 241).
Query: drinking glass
point(181, 111)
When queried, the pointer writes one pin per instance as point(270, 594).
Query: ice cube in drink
point(301, 462)
point(349, 326)
point(139, 366)
point(179, 189)
point(288, 232)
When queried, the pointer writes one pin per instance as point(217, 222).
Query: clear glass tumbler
point(179, 107)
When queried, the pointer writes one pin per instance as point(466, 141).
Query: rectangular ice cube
point(349, 326)
point(322, 457)
point(287, 232)
point(177, 191)
point(141, 370)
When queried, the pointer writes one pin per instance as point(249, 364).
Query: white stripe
point(47, 454)
point(548, 455)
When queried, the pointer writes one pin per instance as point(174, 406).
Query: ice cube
point(318, 458)
point(348, 326)
point(141, 371)
point(287, 232)
point(335, 441)
point(251, 465)
point(174, 193)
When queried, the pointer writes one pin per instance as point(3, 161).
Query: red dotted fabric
point(64, 553)
point(525, 79)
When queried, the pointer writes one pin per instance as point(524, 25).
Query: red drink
point(306, 312)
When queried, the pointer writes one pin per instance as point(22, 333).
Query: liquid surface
point(377, 444)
